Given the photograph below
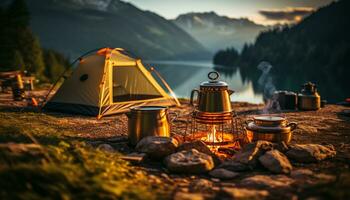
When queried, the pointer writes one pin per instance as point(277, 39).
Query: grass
point(62, 167)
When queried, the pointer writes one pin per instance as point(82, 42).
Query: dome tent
point(108, 82)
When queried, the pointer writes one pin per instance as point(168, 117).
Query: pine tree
point(17, 62)
point(54, 66)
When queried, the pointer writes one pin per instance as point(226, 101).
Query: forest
point(20, 49)
point(316, 49)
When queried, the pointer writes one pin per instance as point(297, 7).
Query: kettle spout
point(230, 92)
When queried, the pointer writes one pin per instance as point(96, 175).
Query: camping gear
point(213, 96)
point(287, 100)
point(17, 88)
point(107, 82)
point(309, 99)
point(148, 121)
point(270, 128)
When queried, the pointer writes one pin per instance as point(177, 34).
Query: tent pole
point(166, 85)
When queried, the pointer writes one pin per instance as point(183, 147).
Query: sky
point(266, 12)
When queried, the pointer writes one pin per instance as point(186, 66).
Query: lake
point(183, 76)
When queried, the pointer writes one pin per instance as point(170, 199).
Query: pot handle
point(174, 117)
point(292, 126)
point(192, 96)
point(246, 122)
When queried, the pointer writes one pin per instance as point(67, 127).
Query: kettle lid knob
point(213, 76)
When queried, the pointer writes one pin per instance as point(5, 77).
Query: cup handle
point(292, 126)
point(192, 96)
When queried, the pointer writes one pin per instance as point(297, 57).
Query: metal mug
point(148, 121)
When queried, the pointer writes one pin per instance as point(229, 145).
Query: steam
point(265, 82)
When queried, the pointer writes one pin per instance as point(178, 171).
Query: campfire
point(212, 120)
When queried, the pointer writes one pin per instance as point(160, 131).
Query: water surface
point(183, 76)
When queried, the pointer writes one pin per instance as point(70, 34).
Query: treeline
point(316, 49)
point(20, 49)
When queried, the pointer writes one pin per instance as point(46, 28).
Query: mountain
point(76, 26)
point(216, 32)
point(317, 49)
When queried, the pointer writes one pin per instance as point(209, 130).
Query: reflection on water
point(185, 76)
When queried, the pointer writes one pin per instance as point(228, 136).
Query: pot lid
point(214, 80)
point(269, 118)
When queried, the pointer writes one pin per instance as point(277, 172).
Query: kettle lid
point(214, 80)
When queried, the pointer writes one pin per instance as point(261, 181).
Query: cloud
point(288, 14)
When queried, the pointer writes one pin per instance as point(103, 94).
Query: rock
point(189, 161)
point(264, 181)
point(242, 194)
point(188, 196)
point(106, 147)
point(301, 173)
point(306, 153)
point(251, 152)
point(201, 147)
point(134, 157)
point(306, 176)
point(281, 146)
point(200, 185)
point(276, 162)
point(197, 144)
point(234, 166)
point(223, 174)
point(157, 147)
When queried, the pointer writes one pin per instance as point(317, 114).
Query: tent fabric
point(106, 83)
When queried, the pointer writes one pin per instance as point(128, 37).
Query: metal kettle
point(308, 98)
point(213, 96)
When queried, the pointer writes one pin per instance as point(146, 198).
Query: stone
point(306, 176)
point(242, 194)
point(200, 185)
point(135, 157)
point(251, 152)
point(197, 144)
point(189, 162)
point(157, 147)
point(276, 162)
point(307, 153)
point(106, 147)
point(281, 146)
point(268, 182)
point(188, 196)
point(234, 166)
point(223, 174)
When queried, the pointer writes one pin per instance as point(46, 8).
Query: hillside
point(216, 32)
point(316, 49)
point(76, 26)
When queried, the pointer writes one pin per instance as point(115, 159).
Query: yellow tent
point(106, 83)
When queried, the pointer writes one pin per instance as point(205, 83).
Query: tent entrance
point(130, 84)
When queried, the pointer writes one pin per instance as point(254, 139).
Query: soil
point(325, 126)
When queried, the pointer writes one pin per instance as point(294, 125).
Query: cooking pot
point(148, 121)
point(213, 95)
point(287, 100)
point(270, 128)
point(308, 98)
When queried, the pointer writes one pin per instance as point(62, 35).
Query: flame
point(212, 136)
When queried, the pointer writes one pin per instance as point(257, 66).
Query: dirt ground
point(326, 126)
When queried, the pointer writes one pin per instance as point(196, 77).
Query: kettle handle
point(192, 96)
point(292, 126)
